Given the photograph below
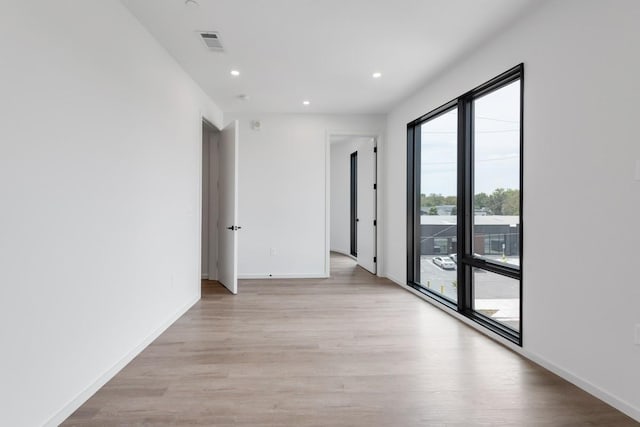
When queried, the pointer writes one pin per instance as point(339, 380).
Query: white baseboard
point(394, 280)
point(282, 276)
point(605, 396)
point(83, 396)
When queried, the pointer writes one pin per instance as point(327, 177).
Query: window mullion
point(411, 196)
point(417, 141)
point(461, 207)
point(465, 200)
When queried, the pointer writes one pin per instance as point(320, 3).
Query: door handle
point(234, 228)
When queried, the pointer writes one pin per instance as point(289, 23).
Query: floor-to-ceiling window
point(464, 211)
point(437, 187)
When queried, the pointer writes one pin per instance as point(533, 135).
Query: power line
point(446, 132)
point(511, 156)
point(497, 120)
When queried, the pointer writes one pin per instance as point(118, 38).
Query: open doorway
point(219, 247)
point(352, 198)
point(210, 201)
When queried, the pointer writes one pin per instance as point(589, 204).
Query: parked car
point(444, 262)
point(454, 257)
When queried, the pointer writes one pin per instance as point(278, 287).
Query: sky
point(496, 142)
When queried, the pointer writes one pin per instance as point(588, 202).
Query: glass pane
point(496, 179)
point(438, 203)
point(497, 297)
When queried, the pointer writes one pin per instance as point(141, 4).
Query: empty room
point(319, 213)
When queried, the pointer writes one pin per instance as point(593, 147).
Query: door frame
point(379, 144)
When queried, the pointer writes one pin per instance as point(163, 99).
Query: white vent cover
point(211, 39)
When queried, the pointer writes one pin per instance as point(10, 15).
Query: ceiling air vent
point(211, 39)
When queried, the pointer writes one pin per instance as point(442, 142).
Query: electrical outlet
point(637, 333)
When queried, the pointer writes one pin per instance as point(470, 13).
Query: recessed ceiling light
point(306, 102)
point(376, 75)
point(235, 73)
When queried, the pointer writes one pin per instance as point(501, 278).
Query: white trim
point(380, 205)
point(84, 395)
point(605, 396)
point(395, 280)
point(251, 276)
point(327, 205)
point(618, 403)
point(202, 121)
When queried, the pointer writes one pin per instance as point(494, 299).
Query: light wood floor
point(353, 350)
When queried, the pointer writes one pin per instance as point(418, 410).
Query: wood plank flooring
point(352, 350)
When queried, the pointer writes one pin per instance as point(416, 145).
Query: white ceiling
point(321, 50)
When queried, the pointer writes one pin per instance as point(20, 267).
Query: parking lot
point(495, 295)
point(437, 279)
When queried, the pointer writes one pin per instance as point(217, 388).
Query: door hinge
point(374, 223)
point(375, 186)
point(375, 259)
point(375, 149)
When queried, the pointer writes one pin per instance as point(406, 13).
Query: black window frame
point(466, 260)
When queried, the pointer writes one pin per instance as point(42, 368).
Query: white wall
point(282, 190)
point(581, 291)
point(341, 194)
point(100, 180)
